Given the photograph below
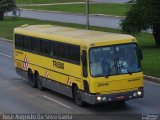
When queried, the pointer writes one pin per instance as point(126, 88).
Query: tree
point(6, 6)
point(143, 15)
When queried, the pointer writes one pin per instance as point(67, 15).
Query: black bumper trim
point(124, 96)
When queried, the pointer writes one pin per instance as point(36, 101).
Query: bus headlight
point(99, 98)
point(139, 93)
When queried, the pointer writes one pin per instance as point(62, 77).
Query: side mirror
point(140, 54)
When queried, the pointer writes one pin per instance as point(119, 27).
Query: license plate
point(120, 97)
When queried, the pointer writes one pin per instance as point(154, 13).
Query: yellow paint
point(85, 39)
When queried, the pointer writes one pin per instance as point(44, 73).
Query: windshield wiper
point(115, 66)
point(106, 76)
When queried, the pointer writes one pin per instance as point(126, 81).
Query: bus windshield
point(114, 60)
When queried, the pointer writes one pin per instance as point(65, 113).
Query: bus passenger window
point(27, 42)
point(53, 49)
point(74, 53)
point(18, 41)
point(35, 44)
point(45, 46)
point(63, 51)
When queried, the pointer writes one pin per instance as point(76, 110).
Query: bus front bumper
point(105, 98)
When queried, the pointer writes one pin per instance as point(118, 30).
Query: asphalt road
point(101, 21)
point(16, 96)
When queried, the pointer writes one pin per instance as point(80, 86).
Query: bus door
point(85, 70)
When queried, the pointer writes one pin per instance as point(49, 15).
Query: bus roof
point(73, 35)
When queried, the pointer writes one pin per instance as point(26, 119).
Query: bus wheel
point(77, 96)
point(32, 80)
point(39, 83)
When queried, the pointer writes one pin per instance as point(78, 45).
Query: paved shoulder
point(100, 21)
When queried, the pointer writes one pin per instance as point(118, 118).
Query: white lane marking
point(5, 55)
point(56, 101)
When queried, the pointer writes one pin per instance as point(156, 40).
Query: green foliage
point(143, 15)
point(5, 6)
point(137, 17)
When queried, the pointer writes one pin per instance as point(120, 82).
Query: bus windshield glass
point(114, 60)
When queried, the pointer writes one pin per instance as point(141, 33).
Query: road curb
point(152, 79)
point(58, 12)
point(6, 40)
point(24, 5)
point(70, 13)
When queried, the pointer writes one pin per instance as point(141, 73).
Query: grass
point(45, 1)
point(99, 8)
point(150, 64)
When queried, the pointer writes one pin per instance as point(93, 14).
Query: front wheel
point(78, 97)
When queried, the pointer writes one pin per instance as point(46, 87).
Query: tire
point(32, 80)
point(39, 83)
point(77, 97)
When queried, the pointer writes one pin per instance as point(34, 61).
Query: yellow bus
point(90, 66)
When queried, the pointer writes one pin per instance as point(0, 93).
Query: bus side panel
point(55, 77)
point(57, 87)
